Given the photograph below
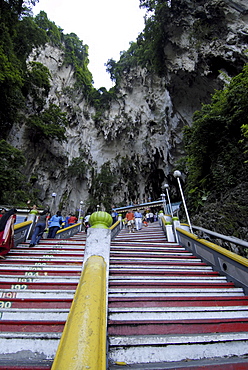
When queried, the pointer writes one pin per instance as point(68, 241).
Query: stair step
point(38, 272)
point(174, 292)
point(35, 303)
point(168, 306)
point(171, 313)
point(28, 293)
point(177, 302)
point(230, 363)
point(30, 314)
point(176, 348)
point(13, 326)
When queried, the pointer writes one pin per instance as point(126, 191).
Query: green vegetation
point(216, 143)
point(14, 187)
point(101, 189)
point(48, 125)
point(148, 50)
point(78, 166)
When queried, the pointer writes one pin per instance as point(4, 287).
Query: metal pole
point(166, 186)
point(177, 174)
point(164, 202)
point(79, 214)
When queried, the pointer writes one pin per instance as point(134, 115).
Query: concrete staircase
point(37, 286)
point(169, 310)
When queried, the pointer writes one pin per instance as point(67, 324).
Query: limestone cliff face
point(140, 135)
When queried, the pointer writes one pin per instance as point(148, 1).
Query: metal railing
point(227, 263)
point(116, 228)
point(230, 239)
point(21, 232)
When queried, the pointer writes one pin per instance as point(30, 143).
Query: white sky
point(106, 26)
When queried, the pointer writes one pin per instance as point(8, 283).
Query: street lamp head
point(166, 186)
point(81, 202)
point(177, 174)
point(54, 195)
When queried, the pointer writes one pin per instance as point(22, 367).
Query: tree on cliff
point(216, 143)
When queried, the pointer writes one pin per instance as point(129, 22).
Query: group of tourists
point(137, 219)
point(45, 222)
point(51, 224)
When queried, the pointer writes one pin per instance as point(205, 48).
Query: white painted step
point(30, 293)
point(151, 254)
point(168, 279)
point(40, 266)
point(34, 314)
point(161, 268)
point(39, 279)
point(163, 314)
point(173, 292)
point(29, 345)
point(45, 257)
point(15, 252)
point(168, 348)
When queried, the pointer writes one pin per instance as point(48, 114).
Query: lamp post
point(166, 186)
point(53, 201)
point(177, 174)
point(164, 202)
point(80, 213)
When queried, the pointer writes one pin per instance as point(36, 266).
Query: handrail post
point(84, 339)
point(177, 175)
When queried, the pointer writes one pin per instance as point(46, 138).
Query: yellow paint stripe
point(235, 257)
point(67, 228)
point(22, 224)
point(115, 224)
point(83, 342)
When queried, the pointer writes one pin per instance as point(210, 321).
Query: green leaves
point(48, 125)
point(216, 142)
point(11, 165)
point(78, 166)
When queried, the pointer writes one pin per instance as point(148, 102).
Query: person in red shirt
point(72, 220)
point(130, 220)
point(2, 212)
point(7, 232)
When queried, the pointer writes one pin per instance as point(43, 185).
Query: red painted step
point(177, 302)
point(178, 284)
point(38, 272)
point(35, 303)
point(32, 326)
point(165, 327)
point(40, 285)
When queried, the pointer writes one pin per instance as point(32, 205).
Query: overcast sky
point(106, 26)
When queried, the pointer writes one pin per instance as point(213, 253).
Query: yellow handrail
point(235, 257)
point(22, 224)
point(83, 342)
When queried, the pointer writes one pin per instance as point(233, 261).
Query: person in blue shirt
point(138, 220)
point(55, 223)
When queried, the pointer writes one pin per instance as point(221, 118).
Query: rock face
point(140, 134)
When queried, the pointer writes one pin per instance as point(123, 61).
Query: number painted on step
point(47, 256)
point(5, 304)
point(25, 280)
point(8, 295)
point(19, 286)
point(40, 263)
point(31, 273)
point(1, 315)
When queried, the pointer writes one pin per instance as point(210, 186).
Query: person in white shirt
point(138, 220)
